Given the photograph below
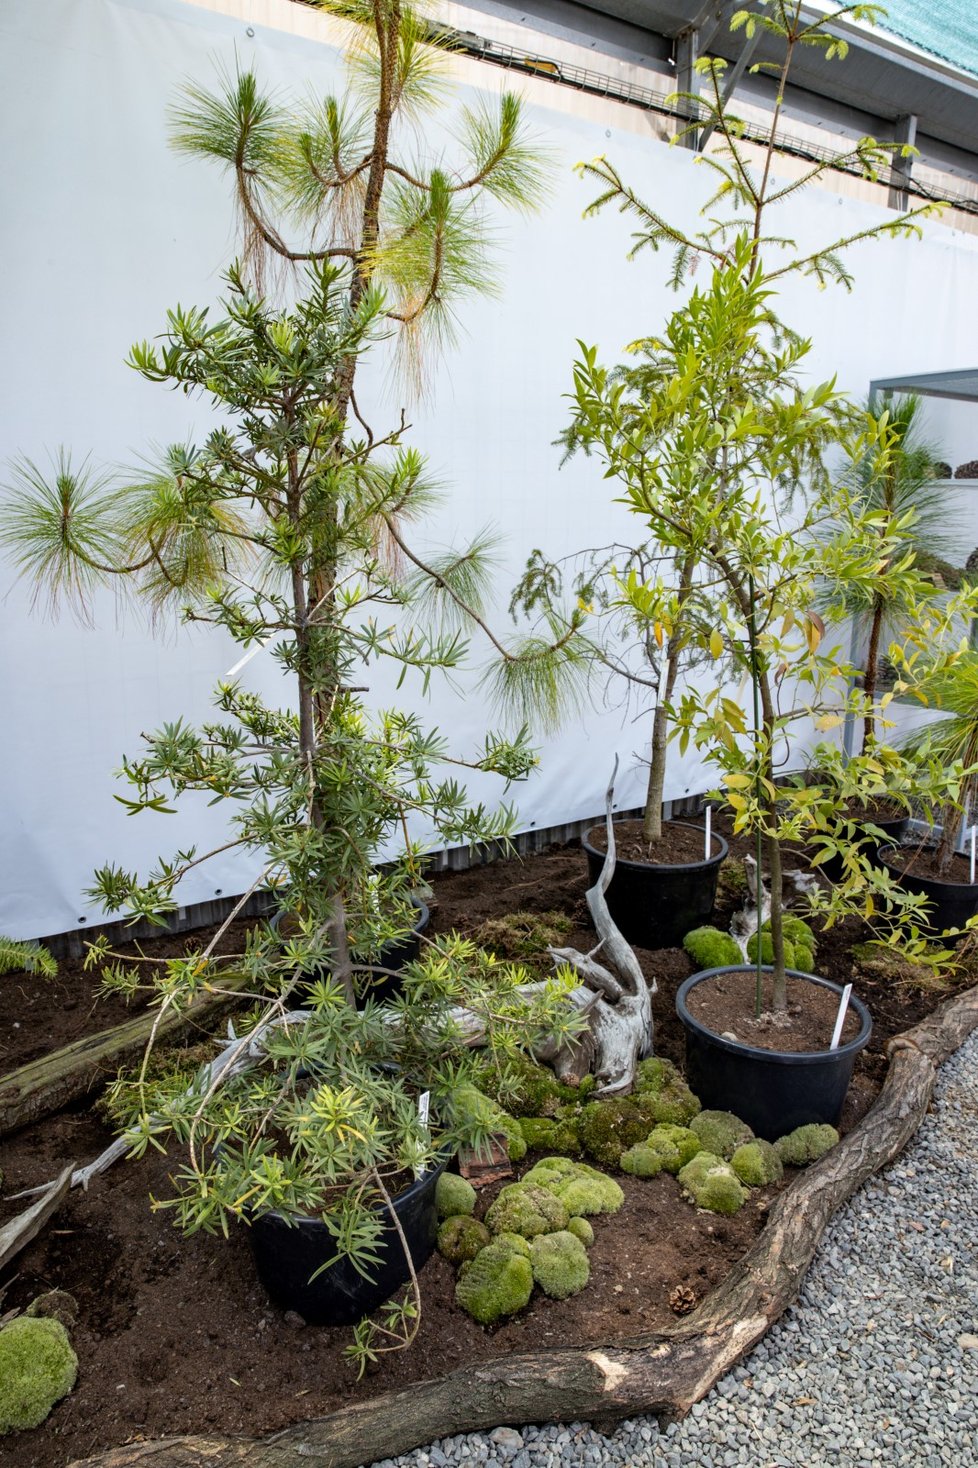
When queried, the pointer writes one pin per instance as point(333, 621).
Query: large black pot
point(395, 956)
point(655, 904)
point(894, 829)
point(951, 903)
point(774, 1091)
point(288, 1253)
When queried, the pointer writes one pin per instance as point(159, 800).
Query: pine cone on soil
point(682, 1300)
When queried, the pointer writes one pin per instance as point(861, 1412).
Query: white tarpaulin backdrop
point(104, 227)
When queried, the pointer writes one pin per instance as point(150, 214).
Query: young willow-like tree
point(711, 451)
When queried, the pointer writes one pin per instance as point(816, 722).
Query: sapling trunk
point(871, 674)
point(652, 818)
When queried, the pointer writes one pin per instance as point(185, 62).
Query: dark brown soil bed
point(921, 861)
point(678, 845)
point(41, 1015)
point(175, 1335)
point(725, 1005)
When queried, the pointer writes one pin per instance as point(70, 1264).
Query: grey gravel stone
point(875, 1365)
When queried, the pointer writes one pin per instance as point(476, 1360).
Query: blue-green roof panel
point(945, 28)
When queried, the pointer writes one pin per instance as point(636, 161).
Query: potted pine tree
point(287, 526)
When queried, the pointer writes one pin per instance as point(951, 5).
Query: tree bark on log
point(56, 1080)
point(663, 1372)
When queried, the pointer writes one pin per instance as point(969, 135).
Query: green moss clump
point(712, 1183)
point(560, 1264)
point(799, 944)
point(461, 1237)
point(732, 884)
point(525, 1088)
point(526, 1209)
point(543, 1135)
point(453, 1194)
point(590, 1192)
point(582, 1189)
point(710, 948)
point(806, 1144)
point(641, 1161)
point(582, 1230)
point(58, 1305)
point(497, 1282)
point(664, 1093)
point(524, 937)
point(516, 1242)
point(475, 1105)
point(609, 1128)
point(757, 1163)
point(721, 1132)
point(767, 949)
point(37, 1368)
point(676, 1145)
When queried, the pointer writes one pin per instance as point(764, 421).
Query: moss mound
point(711, 948)
point(609, 1128)
point(461, 1238)
point(580, 1188)
point(475, 1105)
point(757, 1163)
point(664, 1093)
point(527, 1209)
point(720, 1132)
point(497, 1282)
point(712, 1183)
point(582, 1230)
point(560, 1264)
point(541, 1134)
point(58, 1305)
point(516, 1242)
point(453, 1194)
point(676, 1145)
point(524, 937)
point(799, 944)
point(641, 1161)
point(806, 1144)
point(37, 1368)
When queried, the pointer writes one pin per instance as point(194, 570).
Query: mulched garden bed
point(176, 1336)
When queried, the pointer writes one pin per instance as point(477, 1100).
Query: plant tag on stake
point(424, 1106)
point(840, 1018)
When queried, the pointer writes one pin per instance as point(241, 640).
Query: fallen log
point(84, 1067)
point(664, 1372)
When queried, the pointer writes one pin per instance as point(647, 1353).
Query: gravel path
point(877, 1363)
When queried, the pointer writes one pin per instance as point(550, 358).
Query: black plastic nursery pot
point(894, 829)
point(655, 904)
point(774, 1091)
point(289, 1253)
point(395, 956)
point(951, 903)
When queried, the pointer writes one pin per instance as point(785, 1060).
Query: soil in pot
point(772, 1087)
point(656, 902)
point(953, 897)
point(725, 1005)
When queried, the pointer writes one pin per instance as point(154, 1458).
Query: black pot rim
point(885, 852)
point(311, 1220)
point(662, 866)
point(776, 1057)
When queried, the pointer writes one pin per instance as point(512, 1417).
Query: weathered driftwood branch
point(84, 1067)
point(17, 1234)
point(663, 1372)
point(621, 1023)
